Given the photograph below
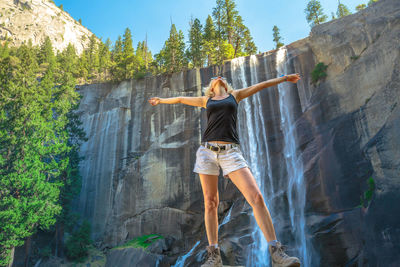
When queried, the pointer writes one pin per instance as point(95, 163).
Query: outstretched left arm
point(248, 91)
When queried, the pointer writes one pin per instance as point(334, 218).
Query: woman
point(220, 147)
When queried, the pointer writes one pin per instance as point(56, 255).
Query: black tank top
point(221, 120)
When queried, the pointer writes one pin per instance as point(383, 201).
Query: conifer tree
point(249, 45)
point(104, 59)
point(277, 37)
point(314, 13)
point(209, 41)
point(218, 13)
point(342, 10)
point(144, 58)
point(229, 18)
point(46, 55)
point(195, 51)
point(117, 73)
point(128, 57)
point(33, 144)
point(174, 51)
point(92, 56)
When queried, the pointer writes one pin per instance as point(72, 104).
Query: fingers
point(154, 101)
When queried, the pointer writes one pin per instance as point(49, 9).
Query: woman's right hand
point(154, 101)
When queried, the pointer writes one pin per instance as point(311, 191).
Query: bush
point(367, 197)
point(78, 244)
point(319, 72)
point(141, 241)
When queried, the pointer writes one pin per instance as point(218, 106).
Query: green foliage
point(318, 72)
point(174, 51)
point(370, 2)
point(366, 198)
point(314, 13)
point(342, 10)
point(360, 7)
point(141, 241)
point(78, 244)
point(36, 154)
point(195, 52)
point(277, 37)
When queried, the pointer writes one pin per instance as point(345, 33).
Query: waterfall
point(180, 262)
point(294, 166)
point(253, 135)
point(255, 149)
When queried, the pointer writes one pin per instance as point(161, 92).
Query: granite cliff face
point(21, 20)
point(311, 148)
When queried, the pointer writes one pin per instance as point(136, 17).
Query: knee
point(211, 203)
point(257, 200)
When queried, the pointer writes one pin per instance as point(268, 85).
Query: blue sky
point(108, 19)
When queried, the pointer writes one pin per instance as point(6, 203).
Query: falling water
point(255, 149)
point(253, 132)
point(294, 166)
point(181, 260)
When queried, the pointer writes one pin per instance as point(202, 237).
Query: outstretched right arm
point(197, 101)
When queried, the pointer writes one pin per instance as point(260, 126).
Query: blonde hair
point(209, 93)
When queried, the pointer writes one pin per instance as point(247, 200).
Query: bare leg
point(209, 184)
point(245, 182)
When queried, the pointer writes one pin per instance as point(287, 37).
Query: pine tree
point(239, 38)
point(83, 66)
point(33, 141)
point(314, 13)
point(277, 37)
point(209, 41)
point(229, 18)
point(68, 59)
point(46, 55)
point(144, 59)
point(92, 56)
point(342, 10)
point(116, 69)
point(195, 51)
point(219, 30)
point(104, 59)
point(230, 28)
point(249, 45)
point(174, 51)
point(128, 57)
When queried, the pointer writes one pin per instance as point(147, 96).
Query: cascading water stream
point(255, 148)
point(253, 135)
point(180, 262)
point(294, 166)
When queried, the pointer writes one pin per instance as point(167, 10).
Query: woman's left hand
point(293, 77)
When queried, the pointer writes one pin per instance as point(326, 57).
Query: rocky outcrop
point(311, 148)
point(21, 20)
point(138, 175)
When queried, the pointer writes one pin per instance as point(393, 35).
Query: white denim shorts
point(209, 162)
